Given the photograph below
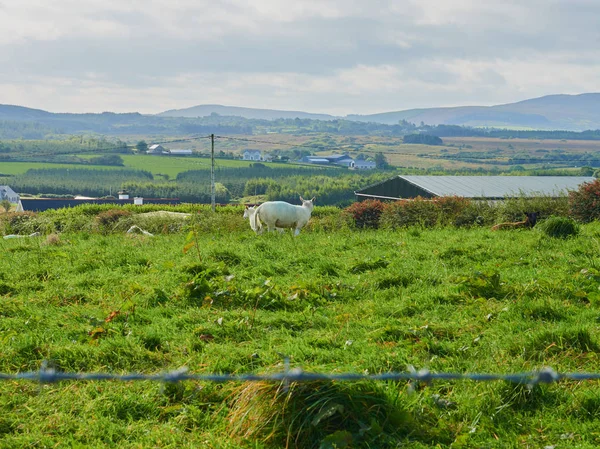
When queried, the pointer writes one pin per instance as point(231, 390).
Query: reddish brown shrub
point(584, 203)
point(365, 214)
point(110, 217)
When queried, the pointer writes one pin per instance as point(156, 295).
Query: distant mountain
point(564, 112)
point(251, 113)
point(21, 113)
point(552, 112)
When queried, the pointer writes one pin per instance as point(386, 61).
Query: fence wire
point(546, 375)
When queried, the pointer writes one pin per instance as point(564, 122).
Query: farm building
point(156, 149)
point(6, 193)
point(363, 165)
point(474, 187)
point(252, 155)
point(335, 159)
point(256, 155)
point(180, 152)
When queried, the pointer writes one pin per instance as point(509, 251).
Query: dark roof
point(337, 157)
point(492, 186)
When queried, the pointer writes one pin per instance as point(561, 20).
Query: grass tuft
point(318, 414)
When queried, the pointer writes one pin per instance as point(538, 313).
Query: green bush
point(584, 204)
point(512, 209)
point(475, 213)
point(559, 227)
point(18, 223)
point(451, 209)
point(404, 213)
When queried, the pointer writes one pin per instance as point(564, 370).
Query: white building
point(363, 165)
point(342, 160)
point(156, 149)
point(252, 155)
point(180, 152)
point(6, 193)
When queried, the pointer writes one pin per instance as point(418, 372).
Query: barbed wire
point(47, 375)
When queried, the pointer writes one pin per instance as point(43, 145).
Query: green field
point(17, 168)
point(168, 165)
point(334, 300)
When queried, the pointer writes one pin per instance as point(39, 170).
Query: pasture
point(157, 165)
point(173, 165)
point(220, 299)
point(18, 168)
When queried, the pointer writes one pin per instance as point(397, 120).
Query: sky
point(327, 56)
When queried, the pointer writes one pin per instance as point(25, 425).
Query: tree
point(142, 146)
point(107, 159)
point(425, 139)
point(5, 205)
point(381, 161)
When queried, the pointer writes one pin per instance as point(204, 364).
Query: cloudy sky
point(329, 56)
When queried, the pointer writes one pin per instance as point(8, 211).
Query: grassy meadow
point(208, 294)
point(157, 165)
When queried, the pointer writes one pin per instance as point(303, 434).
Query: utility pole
point(212, 172)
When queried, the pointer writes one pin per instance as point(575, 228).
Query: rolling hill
point(565, 112)
point(251, 113)
point(552, 112)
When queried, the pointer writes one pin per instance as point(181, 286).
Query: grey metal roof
point(498, 186)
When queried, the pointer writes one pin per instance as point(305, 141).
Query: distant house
point(6, 193)
point(335, 159)
point(156, 149)
point(363, 165)
point(315, 160)
point(181, 152)
point(340, 159)
point(252, 155)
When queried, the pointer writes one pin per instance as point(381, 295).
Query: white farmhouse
point(363, 165)
point(252, 155)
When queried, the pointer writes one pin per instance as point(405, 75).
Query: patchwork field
point(220, 299)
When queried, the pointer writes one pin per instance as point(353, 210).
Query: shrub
point(559, 227)
point(475, 213)
point(512, 209)
point(18, 223)
point(584, 203)
point(110, 217)
point(450, 208)
point(403, 213)
point(365, 214)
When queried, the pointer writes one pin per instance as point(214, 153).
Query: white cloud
point(332, 56)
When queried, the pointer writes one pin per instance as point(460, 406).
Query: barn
point(474, 187)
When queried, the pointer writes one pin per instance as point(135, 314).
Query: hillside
point(565, 112)
point(250, 113)
point(552, 112)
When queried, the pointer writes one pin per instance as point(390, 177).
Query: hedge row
point(582, 205)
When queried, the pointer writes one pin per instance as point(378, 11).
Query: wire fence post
point(212, 172)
